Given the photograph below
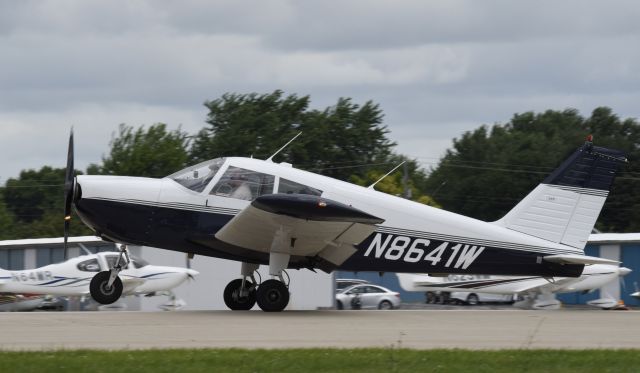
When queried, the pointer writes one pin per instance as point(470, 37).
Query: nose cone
point(623, 271)
point(118, 188)
point(117, 207)
point(192, 273)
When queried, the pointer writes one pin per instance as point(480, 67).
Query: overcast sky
point(437, 68)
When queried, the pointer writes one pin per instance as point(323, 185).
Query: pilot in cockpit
point(240, 185)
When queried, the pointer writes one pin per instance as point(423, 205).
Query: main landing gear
point(243, 293)
point(106, 286)
point(271, 295)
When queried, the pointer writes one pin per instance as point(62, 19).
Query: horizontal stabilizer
point(578, 259)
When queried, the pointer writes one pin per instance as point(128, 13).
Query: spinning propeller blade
point(68, 192)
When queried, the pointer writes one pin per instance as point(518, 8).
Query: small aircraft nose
point(623, 271)
point(192, 273)
point(117, 207)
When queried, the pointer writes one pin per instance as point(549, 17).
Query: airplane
point(73, 276)
point(258, 212)
point(539, 290)
point(637, 293)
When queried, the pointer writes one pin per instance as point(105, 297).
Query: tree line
point(485, 173)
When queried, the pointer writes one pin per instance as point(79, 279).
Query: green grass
point(321, 360)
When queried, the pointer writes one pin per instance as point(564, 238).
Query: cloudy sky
point(437, 68)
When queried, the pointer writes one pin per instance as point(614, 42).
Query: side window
point(243, 184)
point(374, 290)
point(290, 187)
point(90, 265)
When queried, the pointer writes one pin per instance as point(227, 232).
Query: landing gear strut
point(106, 286)
point(271, 295)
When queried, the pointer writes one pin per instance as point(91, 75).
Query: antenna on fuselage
point(270, 159)
point(385, 175)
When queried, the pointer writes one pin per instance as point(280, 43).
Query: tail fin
point(565, 206)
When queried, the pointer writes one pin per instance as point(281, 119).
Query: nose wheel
point(106, 286)
point(100, 290)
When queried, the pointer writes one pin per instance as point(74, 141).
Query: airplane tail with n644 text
point(259, 212)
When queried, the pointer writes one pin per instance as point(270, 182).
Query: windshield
point(198, 177)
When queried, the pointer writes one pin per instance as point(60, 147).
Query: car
point(367, 296)
point(473, 299)
point(343, 283)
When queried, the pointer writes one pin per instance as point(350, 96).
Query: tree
point(337, 141)
point(34, 205)
point(394, 184)
point(489, 170)
point(6, 221)
point(154, 152)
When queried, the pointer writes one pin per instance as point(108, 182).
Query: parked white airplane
point(73, 276)
point(637, 293)
point(260, 212)
point(539, 290)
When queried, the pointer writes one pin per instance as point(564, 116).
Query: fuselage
point(413, 238)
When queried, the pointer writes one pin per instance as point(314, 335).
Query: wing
point(313, 226)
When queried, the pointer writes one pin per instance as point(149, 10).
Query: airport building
point(308, 290)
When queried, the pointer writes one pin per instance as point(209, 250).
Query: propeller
point(68, 192)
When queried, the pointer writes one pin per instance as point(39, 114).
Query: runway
point(418, 329)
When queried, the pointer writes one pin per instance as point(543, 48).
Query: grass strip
point(321, 360)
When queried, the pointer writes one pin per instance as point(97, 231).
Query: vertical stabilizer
point(565, 206)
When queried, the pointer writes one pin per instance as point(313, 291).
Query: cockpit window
point(198, 177)
point(290, 187)
point(90, 265)
point(243, 184)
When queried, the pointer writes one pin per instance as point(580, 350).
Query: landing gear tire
point(472, 300)
point(103, 294)
point(273, 296)
point(232, 297)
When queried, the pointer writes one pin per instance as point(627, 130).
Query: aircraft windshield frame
point(197, 177)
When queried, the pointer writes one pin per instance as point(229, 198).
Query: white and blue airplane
point(259, 212)
point(73, 277)
point(539, 291)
